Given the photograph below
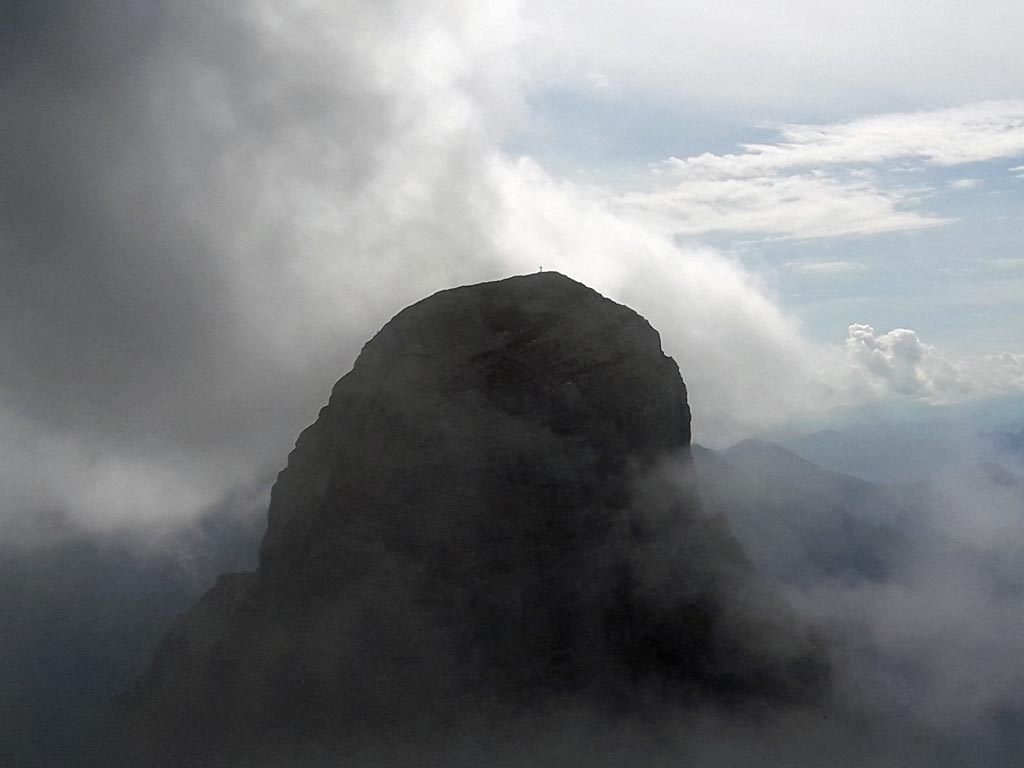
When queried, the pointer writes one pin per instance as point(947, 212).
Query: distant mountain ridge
point(800, 522)
point(911, 451)
point(803, 524)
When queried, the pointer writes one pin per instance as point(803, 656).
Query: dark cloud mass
point(199, 227)
point(110, 297)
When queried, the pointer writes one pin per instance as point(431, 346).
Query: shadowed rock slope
point(493, 515)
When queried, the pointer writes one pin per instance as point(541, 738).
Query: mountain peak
point(494, 512)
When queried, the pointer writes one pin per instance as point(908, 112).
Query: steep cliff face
point(494, 513)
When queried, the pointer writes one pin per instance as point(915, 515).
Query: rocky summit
point(495, 514)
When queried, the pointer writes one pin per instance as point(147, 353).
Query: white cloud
point(823, 180)
point(600, 81)
point(945, 137)
point(964, 184)
point(973, 133)
point(799, 56)
point(806, 205)
point(102, 487)
point(1001, 373)
point(900, 363)
point(825, 268)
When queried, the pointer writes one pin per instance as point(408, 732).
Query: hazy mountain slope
point(800, 522)
point(915, 450)
point(82, 613)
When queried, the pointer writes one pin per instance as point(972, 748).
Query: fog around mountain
point(208, 207)
point(918, 589)
point(82, 614)
point(914, 588)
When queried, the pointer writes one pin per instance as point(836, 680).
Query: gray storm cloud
point(207, 211)
point(209, 208)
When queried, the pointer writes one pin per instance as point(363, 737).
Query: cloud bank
point(211, 209)
point(208, 209)
point(899, 363)
point(916, 587)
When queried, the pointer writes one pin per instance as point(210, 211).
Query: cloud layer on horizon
point(899, 363)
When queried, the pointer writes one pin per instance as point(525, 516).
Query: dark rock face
point(493, 514)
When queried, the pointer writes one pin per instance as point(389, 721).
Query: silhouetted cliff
point(494, 514)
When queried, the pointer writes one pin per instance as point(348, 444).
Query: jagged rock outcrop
point(493, 514)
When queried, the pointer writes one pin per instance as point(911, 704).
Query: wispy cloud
point(965, 184)
point(804, 205)
point(825, 267)
point(831, 179)
point(986, 131)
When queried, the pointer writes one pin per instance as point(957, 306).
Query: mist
point(916, 587)
point(208, 209)
point(84, 610)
